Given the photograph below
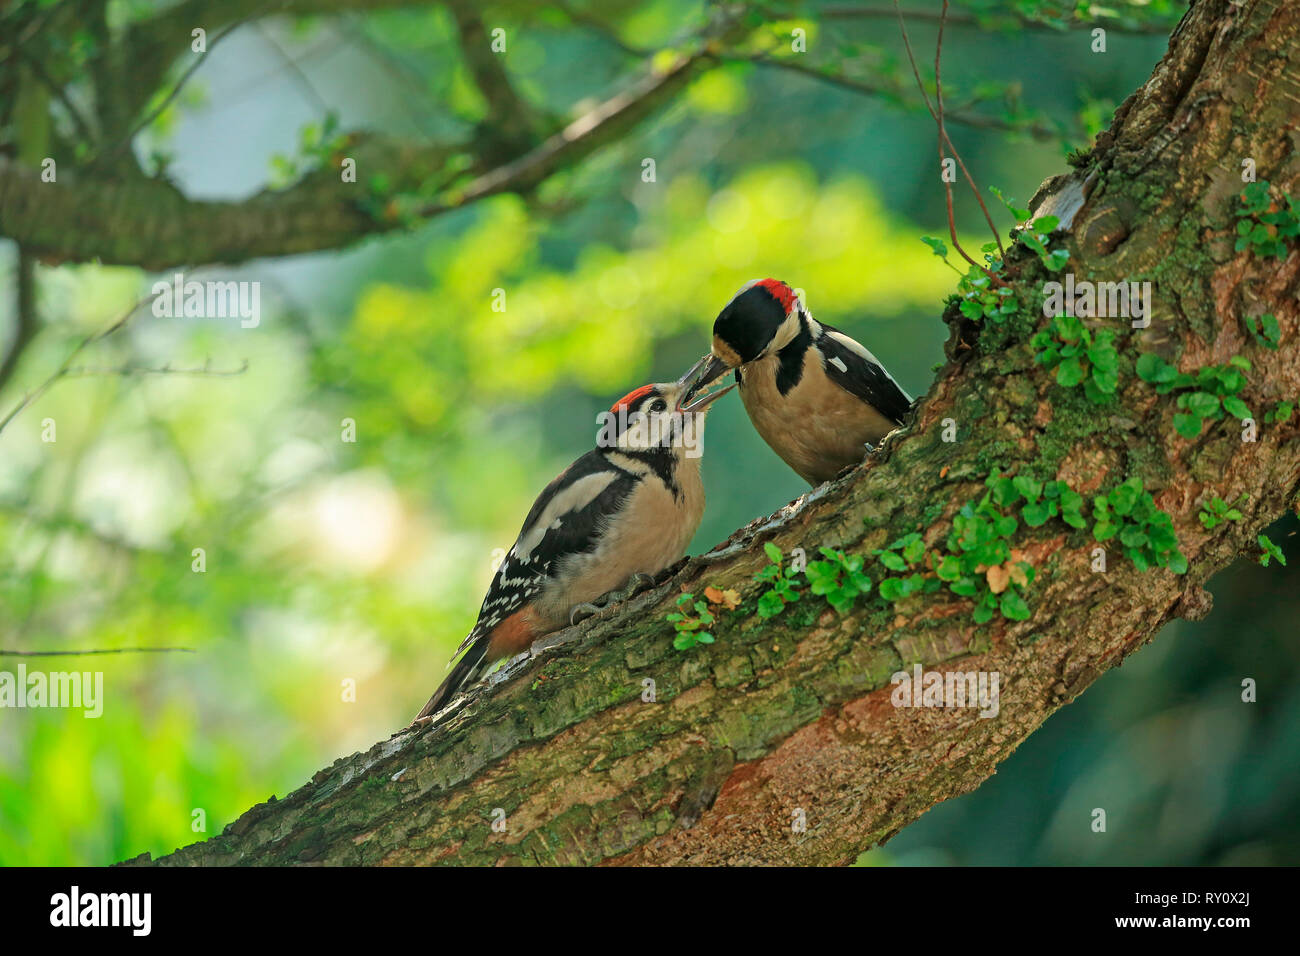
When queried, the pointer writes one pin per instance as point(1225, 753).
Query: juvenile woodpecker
point(625, 510)
point(816, 396)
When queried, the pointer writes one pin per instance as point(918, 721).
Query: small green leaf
point(1235, 407)
point(1036, 515)
point(936, 246)
point(1069, 373)
point(1189, 426)
point(1013, 606)
point(893, 561)
point(770, 605)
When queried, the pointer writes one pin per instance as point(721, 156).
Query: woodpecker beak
point(702, 374)
point(704, 401)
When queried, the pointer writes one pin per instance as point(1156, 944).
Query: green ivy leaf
point(1189, 426)
point(893, 561)
point(1235, 407)
point(770, 605)
point(936, 246)
point(1036, 515)
point(1013, 606)
point(1069, 373)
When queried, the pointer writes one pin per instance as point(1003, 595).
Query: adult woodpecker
point(816, 396)
point(623, 511)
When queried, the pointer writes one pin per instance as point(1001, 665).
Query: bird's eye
point(658, 405)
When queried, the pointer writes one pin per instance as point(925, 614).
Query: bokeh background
point(329, 561)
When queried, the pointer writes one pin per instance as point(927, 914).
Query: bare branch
point(62, 371)
point(300, 77)
point(148, 120)
point(510, 121)
point(99, 650)
point(142, 222)
point(25, 322)
point(606, 122)
point(992, 19)
point(943, 138)
point(966, 118)
point(128, 371)
point(38, 70)
point(602, 30)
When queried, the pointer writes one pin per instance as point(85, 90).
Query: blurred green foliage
point(341, 575)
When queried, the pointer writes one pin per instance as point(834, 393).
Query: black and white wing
point(568, 518)
point(849, 365)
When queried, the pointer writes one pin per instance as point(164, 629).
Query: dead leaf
point(998, 577)
point(730, 598)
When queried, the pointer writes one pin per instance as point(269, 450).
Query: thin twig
point(943, 138)
point(99, 650)
point(25, 322)
point(82, 371)
point(947, 187)
point(38, 69)
point(59, 523)
point(943, 133)
point(601, 29)
point(175, 90)
point(28, 399)
point(975, 120)
point(303, 82)
point(971, 20)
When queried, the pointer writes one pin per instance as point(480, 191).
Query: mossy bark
point(794, 714)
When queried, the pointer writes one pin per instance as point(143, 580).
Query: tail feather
point(468, 669)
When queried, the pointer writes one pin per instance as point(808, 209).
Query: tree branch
point(99, 651)
point(964, 117)
point(150, 224)
point(25, 322)
point(579, 760)
point(991, 19)
point(510, 123)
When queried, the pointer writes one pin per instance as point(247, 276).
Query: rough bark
point(795, 713)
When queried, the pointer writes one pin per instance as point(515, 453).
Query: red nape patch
point(632, 397)
point(780, 291)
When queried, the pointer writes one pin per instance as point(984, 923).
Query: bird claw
point(886, 446)
point(601, 606)
point(583, 611)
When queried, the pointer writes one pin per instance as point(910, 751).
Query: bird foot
point(886, 446)
point(602, 605)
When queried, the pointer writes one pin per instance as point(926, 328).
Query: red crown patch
point(780, 291)
point(630, 398)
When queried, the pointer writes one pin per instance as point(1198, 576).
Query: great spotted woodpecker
point(625, 510)
point(816, 396)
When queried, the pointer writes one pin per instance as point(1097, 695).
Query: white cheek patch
point(786, 332)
